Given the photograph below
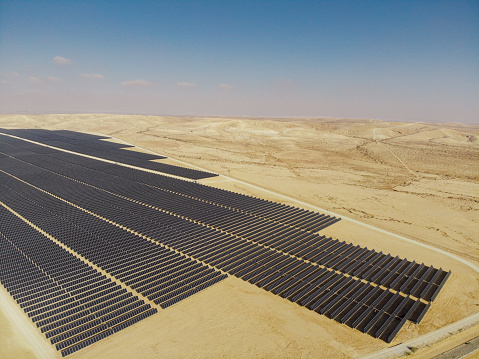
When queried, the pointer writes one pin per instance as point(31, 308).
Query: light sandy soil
point(419, 180)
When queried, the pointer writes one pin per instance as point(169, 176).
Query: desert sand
point(417, 180)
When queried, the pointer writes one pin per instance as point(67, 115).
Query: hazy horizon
point(393, 61)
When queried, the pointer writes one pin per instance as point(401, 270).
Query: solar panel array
point(91, 145)
point(182, 230)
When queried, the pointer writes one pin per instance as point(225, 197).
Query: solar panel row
point(77, 141)
point(67, 299)
point(92, 146)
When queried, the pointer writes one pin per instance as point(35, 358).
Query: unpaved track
point(461, 351)
point(391, 152)
point(429, 338)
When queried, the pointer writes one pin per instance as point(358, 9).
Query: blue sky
point(390, 60)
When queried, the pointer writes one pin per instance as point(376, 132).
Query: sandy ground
point(419, 180)
point(19, 338)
